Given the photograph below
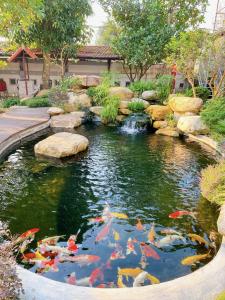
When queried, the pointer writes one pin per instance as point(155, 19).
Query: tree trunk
point(192, 85)
point(46, 70)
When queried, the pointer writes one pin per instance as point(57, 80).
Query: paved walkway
point(18, 120)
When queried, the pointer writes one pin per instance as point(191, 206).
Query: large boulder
point(61, 144)
point(122, 93)
point(181, 104)
point(68, 121)
point(177, 115)
point(123, 104)
point(87, 81)
point(82, 100)
point(96, 110)
point(54, 111)
point(192, 125)
point(158, 112)
point(168, 131)
point(160, 124)
point(150, 95)
point(146, 103)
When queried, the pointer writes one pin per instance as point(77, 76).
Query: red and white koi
point(53, 240)
point(180, 213)
point(82, 260)
point(71, 279)
point(117, 254)
point(130, 247)
point(71, 244)
point(26, 235)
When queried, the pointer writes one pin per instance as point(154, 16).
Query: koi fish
point(139, 225)
point(190, 260)
point(27, 234)
point(168, 240)
point(53, 240)
point(180, 213)
point(48, 265)
point(106, 214)
point(153, 279)
point(197, 238)
point(83, 259)
point(119, 215)
point(96, 274)
point(97, 220)
point(129, 272)
point(152, 234)
point(57, 249)
point(120, 283)
point(140, 279)
point(106, 285)
point(117, 254)
point(148, 251)
point(71, 244)
point(170, 231)
point(71, 279)
point(116, 235)
point(130, 247)
point(103, 233)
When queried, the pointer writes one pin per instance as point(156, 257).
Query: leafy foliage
point(164, 86)
point(108, 32)
point(110, 109)
point(201, 92)
point(213, 183)
point(213, 115)
point(136, 106)
point(37, 102)
point(171, 121)
point(68, 83)
point(10, 102)
point(141, 86)
point(185, 50)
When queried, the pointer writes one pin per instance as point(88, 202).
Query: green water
point(143, 175)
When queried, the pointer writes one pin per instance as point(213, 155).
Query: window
point(12, 81)
point(127, 83)
point(35, 82)
point(181, 85)
point(56, 82)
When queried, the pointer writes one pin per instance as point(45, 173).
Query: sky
point(99, 17)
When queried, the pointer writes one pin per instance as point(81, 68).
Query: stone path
point(15, 122)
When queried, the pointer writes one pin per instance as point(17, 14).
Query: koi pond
point(127, 212)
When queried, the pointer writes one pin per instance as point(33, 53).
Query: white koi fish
point(169, 239)
point(140, 279)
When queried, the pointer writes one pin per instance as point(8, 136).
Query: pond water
point(144, 176)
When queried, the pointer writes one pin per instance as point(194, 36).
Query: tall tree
point(146, 26)
point(186, 51)
point(108, 32)
point(61, 30)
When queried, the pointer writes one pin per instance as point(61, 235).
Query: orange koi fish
point(71, 279)
point(53, 240)
point(104, 232)
point(83, 259)
point(27, 234)
point(148, 251)
point(139, 225)
point(152, 234)
point(180, 213)
point(96, 274)
point(130, 247)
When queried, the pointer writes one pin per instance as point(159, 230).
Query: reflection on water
point(144, 176)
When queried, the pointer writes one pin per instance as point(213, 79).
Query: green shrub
point(68, 83)
point(10, 102)
point(164, 87)
point(136, 106)
point(140, 86)
point(110, 109)
point(213, 183)
point(201, 92)
point(171, 121)
point(100, 93)
point(37, 102)
point(213, 115)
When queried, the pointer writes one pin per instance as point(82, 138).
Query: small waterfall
point(136, 123)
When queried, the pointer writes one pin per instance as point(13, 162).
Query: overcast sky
point(99, 17)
